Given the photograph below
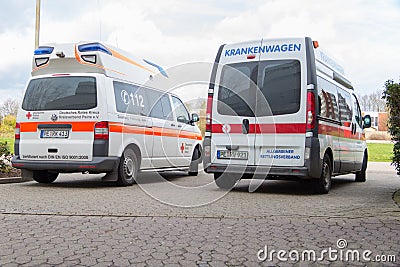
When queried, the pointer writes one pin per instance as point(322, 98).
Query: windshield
point(61, 93)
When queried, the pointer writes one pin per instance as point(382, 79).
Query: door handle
point(245, 126)
point(173, 125)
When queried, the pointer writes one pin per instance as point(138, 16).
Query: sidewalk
point(7, 180)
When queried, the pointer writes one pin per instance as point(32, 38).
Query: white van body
point(87, 108)
point(282, 109)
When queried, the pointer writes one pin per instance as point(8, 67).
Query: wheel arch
point(136, 150)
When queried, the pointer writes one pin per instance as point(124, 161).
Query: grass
point(9, 140)
point(380, 152)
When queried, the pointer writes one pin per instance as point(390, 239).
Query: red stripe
point(339, 131)
point(280, 128)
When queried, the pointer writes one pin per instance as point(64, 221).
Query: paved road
point(80, 220)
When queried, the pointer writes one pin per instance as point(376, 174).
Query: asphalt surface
point(80, 220)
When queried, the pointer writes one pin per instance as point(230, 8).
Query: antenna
point(99, 15)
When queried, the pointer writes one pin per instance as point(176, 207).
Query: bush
point(5, 158)
point(392, 96)
point(8, 124)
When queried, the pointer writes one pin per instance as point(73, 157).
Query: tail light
point(101, 130)
point(209, 113)
point(17, 131)
point(310, 111)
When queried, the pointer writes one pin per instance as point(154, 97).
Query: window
point(237, 89)
point(280, 85)
point(61, 93)
point(182, 115)
point(345, 104)
point(327, 99)
point(131, 99)
point(357, 111)
point(162, 108)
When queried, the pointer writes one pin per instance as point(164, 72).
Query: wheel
point(194, 164)
point(128, 168)
point(44, 177)
point(225, 181)
point(323, 184)
point(361, 175)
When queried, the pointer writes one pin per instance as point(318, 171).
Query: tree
point(9, 107)
point(372, 102)
point(392, 96)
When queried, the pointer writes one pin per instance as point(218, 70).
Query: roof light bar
point(160, 69)
point(94, 47)
point(43, 50)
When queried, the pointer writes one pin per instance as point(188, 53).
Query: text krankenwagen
point(263, 49)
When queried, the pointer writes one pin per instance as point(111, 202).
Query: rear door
point(58, 117)
point(280, 127)
point(233, 105)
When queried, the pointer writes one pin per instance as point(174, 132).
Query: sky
point(363, 36)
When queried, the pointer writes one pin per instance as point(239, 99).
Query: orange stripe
point(82, 126)
point(88, 126)
point(124, 58)
point(156, 131)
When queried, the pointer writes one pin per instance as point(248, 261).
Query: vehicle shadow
point(290, 187)
point(95, 180)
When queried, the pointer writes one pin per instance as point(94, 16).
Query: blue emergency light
point(43, 50)
point(160, 69)
point(94, 47)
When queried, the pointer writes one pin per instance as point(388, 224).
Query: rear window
point(280, 84)
point(61, 93)
point(237, 89)
point(251, 86)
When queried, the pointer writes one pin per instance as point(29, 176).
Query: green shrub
point(8, 124)
point(392, 96)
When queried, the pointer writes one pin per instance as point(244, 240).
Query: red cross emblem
point(182, 147)
point(28, 115)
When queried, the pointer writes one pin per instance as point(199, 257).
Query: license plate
point(228, 154)
point(54, 134)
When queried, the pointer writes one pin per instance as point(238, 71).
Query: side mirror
point(367, 121)
point(195, 118)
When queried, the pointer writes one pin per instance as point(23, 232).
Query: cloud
point(361, 34)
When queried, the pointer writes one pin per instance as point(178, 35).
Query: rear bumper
point(262, 171)
point(97, 165)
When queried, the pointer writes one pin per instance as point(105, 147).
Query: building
point(378, 120)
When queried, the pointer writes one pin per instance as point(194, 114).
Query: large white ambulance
point(87, 108)
point(282, 109)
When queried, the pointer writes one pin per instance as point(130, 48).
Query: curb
point(9, 180)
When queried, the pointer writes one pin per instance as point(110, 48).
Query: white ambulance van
point(282, 109)
point(87, 108)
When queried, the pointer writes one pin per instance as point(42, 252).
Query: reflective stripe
point(80, 126)
point(156, 131)
point(279, 128)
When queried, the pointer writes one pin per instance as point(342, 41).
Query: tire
point(323, 184)
point(361, 176)
point(194, 164)
point(225, 181)
point(44, 177)
point(128, 168)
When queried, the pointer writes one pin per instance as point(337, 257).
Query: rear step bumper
point(97, 165)
point(259, 170)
